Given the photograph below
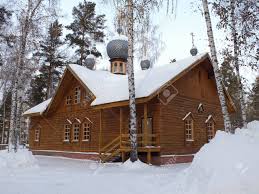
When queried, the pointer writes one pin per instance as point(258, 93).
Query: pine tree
point(86, 28)
point(231, 83)
point(217, 73)
point(43, 84)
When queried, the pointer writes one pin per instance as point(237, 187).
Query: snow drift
point(22, 159)
point(228, 164)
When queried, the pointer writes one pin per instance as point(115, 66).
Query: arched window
point(188, 127)
point(67, 130)
point(76, 130)
point(210, 124)
point(86, 131)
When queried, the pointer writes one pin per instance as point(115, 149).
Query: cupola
point(145, 64)
point(117, 50)
point(90, 61)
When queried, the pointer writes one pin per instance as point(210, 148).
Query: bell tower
point(117, 50)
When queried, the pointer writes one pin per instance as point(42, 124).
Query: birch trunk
point(131, 83)
point(236, 61)
point(3, 127)
point(217, 73)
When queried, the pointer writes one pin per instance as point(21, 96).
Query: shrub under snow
point(228, 164)
point(22, 158)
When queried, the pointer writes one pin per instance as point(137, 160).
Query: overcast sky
point(175, 31)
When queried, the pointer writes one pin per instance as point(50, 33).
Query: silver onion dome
point(145, 64)
point(194, 51)
point(90, 61)
point(118, 48)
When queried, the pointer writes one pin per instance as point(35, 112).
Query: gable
point(66, 88)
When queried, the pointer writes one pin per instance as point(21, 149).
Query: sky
point(174, 30)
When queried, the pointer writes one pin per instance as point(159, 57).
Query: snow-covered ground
point(228, 164)
point(67, 176)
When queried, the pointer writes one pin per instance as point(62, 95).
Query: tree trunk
point(217, 73)
point(131, 83)
point(236, 62)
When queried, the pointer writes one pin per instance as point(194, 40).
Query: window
point(121, 67)
point(86, 131)
point(115, 70)
point(69, 100)
point(67, 132)
point(188, 123)
point(188, 126)
point(37, 134)
point(76, 128)
point(77, 95)
point(210, 130)
point(200, 108)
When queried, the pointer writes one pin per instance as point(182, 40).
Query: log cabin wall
point(52, 124)
point(194, 88)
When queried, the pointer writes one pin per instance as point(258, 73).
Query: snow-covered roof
point(108, 87)
point(38, 109)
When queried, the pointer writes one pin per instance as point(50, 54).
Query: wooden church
point(178, 110)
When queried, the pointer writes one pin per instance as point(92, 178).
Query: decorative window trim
point(86, 118)
point(210, 117)
point(187, 115)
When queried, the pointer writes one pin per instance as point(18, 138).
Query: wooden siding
point(194, 88)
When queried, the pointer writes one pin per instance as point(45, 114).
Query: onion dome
point(194, 51)
point(145, 64)
point(90, 61)
point(118, 48)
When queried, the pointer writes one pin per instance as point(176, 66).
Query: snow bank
point(22, 159)
point(228, 164)
point(135, 165)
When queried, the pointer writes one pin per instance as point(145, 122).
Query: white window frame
point(37, 135)
point(86, 131)
point(76, 132)
point(67, 130)
point(77, 95)
point(188, 127)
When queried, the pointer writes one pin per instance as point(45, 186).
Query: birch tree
point(30, 18)
point(131, 83)
point(236, 60)
point(217, 73)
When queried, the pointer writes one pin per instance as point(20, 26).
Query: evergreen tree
point(230, 81)
point(86, 28)
point(43, 84)
point(253, 108)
